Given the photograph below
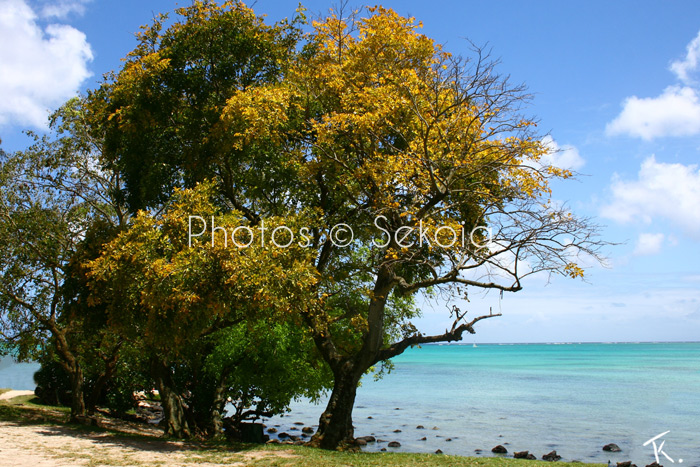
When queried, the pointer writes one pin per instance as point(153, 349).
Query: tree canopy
point(403, 169)
point(427, 158)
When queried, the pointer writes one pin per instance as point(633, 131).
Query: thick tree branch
point(454, 334)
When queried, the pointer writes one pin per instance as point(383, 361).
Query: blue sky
point(617, 84)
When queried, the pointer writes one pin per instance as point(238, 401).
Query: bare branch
point(454, 334)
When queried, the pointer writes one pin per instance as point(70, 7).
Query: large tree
point(429, 160)
point(426, 157)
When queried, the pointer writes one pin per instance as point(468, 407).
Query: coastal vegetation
point(426, 162)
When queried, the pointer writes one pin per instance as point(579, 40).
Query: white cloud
point(684, 68)
point(666, 191)
point(63, 8)
point(41, 67)
point(563, 157)
point(649, 244)
point(676, 112)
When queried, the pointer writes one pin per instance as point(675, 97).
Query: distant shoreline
point(558, 343)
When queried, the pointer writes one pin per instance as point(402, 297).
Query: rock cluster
point(551, 457)
point(524, 455)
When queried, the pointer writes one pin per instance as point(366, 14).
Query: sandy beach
point(57, 446)
point(33, 445)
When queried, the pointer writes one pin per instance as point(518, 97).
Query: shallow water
point(573, 398)
point(17, 375)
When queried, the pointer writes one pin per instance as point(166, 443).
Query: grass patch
point(310, 457)
point(28, 409)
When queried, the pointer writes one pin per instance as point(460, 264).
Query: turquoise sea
point(572, 398)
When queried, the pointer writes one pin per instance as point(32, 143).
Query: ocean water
point(572, 398)
point(17, 375)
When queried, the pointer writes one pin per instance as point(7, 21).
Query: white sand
point(32, 445)
point(14, 393)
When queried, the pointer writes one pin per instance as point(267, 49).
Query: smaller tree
point(50, 195)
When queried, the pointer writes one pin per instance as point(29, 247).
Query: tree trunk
point(77, 409)
point(335, 428)
point(335, 425)
point(174, 409)
point(72, 366)
point(218, 409)
point(110, 369)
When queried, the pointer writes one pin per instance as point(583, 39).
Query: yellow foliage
point(573, 270)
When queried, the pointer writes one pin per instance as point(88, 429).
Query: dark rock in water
point(294, 429)
point(294, 438)
point(397, 408)
point(368, 439)
point(299, 423)
point(439, 451)
point(266, 438)
point(272, 430)
point(360, 442)
point(394, 444)
point(612, 447)
point(435, 428)
point(499, 450)
point(551, 457)
point(420, 427)
point(423, 438)
point(448, 439)
point(307, 429)
point(383, 449)
point(478, 451)
point(521, 454)
point(654, 464)
point(397, 431)
point(531, 457)
point(370, 418)
point(626, 464)
point(274, 441)
point(283, 435)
